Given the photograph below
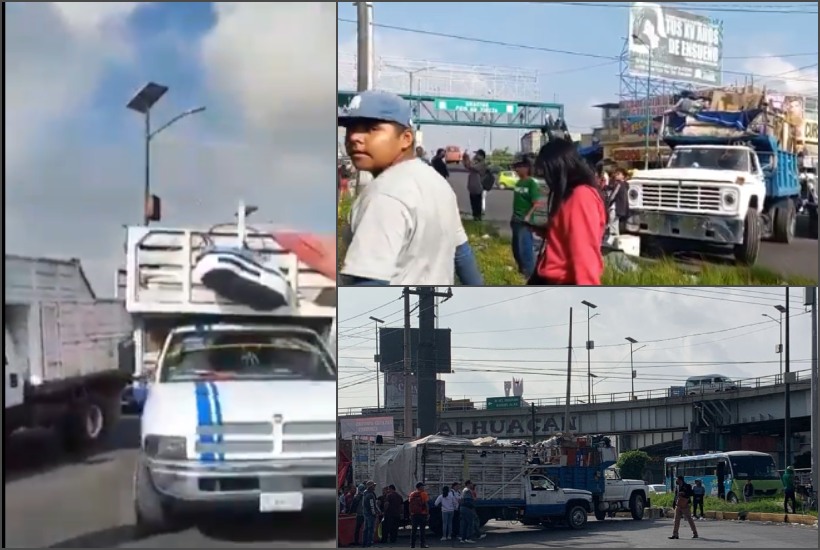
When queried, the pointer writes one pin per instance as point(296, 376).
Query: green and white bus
point(732, 469)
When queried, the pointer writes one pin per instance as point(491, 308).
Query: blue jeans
point(447, 524)
point(368, 531)
point(523, 248)
point(467, 527)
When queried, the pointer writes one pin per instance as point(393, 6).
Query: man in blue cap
point(405, 226)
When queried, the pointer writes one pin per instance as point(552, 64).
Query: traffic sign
point(510, 402)
point(471, 106)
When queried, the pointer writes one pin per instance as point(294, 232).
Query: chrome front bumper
point(238, 482)
point(696, 227)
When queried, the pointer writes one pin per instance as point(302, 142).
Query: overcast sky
point(265, 71)
point(501, 333)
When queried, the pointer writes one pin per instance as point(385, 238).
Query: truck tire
point(576, 517)
point(89, 422)
point(747, 252)
point(600, 515)
point(785, 221)
point(153, 514)
point(637, 503)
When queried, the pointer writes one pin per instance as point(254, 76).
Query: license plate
point(281, 502)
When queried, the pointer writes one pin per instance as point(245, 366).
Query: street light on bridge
point(782, 310)
point(632, 342)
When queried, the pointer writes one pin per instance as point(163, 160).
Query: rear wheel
point(89, 422)
point(785, 222)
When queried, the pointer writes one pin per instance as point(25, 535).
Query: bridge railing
point(798, 377)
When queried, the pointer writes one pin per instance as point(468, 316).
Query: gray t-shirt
point(404, 228)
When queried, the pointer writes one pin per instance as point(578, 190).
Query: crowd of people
point(379, 517)
point(405, 226)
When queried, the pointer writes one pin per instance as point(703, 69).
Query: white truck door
point(543, 497)
point(615, 489)
point(12, 375)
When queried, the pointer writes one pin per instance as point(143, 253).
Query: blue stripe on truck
point(204, 415)
point(218, 416)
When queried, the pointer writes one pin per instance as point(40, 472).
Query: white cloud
point(540, 321)
point(267, 135)
point(784, 76)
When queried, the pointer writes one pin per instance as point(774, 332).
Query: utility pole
point(569, 376)
point(408, 390)
point(365, 62)
point(787, 427)
point(590, 345)
point(632, 342)
point(378, 360)
point(426, 367)
point(811, 302)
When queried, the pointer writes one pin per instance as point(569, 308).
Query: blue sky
point(498, 333)
point(591, 29)
point(74, 168)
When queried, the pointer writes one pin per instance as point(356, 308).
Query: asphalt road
point(55, 501)
point(796, 259)
point(626, 533)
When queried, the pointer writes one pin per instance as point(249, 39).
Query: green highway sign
point(512, 402)
point(470, 106)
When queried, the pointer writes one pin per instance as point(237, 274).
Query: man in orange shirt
point(419, 502)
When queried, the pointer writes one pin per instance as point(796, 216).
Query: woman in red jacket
point(576, 220)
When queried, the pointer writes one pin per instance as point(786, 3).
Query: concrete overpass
point(647, 420)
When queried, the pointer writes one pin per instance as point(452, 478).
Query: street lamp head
point(631, 340)
point(780, 308)
point(147, 97)
point(589, 304)
point(376, 319)
point(195, 110)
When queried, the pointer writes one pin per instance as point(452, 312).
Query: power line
point(684, 8)
point(489, 42)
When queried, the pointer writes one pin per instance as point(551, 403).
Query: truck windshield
point(754, 467)
point(252, 354)
point(710, 158)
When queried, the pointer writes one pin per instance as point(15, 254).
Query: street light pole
point(787, 427)
point(142, 102)
point(590, 344)
point(378, 360)
point(631, 341)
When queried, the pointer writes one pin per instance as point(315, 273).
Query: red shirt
point(573, 240)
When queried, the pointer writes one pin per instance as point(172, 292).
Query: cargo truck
point(62, 364)
point(240, 410)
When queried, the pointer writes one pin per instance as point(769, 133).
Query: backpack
point(416, 504)
point(488, 181)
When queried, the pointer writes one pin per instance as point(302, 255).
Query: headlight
point(165, 447)
point(634, 195)
point(729, 199)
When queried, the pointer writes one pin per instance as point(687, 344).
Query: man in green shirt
point(526, 196)
point(788, 489)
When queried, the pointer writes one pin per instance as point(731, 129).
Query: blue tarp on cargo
point(738, 121)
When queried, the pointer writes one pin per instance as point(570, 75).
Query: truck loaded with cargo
point(232, 339)
point(62, 363)
point(508, 485)
point(732, 178)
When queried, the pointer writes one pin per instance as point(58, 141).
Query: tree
point(632, 464)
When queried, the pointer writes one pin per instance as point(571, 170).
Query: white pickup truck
point(621, 495)
point(241, 404)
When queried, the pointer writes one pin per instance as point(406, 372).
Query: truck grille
point(681, 197)
point(309, 428)
point(258, 440)
point(308, 447)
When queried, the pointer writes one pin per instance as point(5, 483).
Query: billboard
point(632, 116)
point(391, 343)
point(674, 45)
point(394, 390)
point(366, 427)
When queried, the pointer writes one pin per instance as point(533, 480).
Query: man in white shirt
point(405, 227)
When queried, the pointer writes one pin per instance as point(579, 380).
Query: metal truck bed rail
point(159, 273)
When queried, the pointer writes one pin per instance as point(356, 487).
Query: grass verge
point(714, 504)
point(495, 261)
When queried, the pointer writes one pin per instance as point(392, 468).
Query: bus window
point(754, 467)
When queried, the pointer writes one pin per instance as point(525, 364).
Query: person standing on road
point(698, 495)
point(439, 164)
point(419, 504)
point(357, 508)
point(468, 514)
point(571, 254)
point(393, 513)
point(370, 511)
point(455, 490)
point(788, 490)
point(478, 172)
point(526, 197)
point(405, 227)
point(448, 503)
point(682, 508)
point(748, 491)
